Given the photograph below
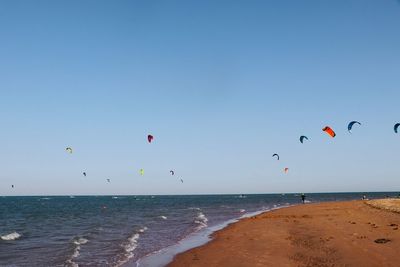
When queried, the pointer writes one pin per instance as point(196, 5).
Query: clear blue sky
point(222, 85)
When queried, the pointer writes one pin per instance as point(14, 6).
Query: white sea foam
point(242, 210)
point(143, 229)
point(194, 208)
point(11, 236)
point(80, 241)
point(70, 263)
point(133, 241)
point(201, 220)
point(163, 217)
point(131, 245)
point(77, 247)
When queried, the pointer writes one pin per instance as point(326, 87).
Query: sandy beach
point(353, 233)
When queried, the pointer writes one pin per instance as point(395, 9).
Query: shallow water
point(122, 230)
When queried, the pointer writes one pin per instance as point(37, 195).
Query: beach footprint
point(374, 225)
point(382, 240)
point(195, 257)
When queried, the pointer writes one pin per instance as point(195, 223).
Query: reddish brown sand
point(327, 234)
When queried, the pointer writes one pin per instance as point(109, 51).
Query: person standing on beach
point(303, 198)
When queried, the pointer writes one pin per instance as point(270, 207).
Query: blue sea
point(125, 230)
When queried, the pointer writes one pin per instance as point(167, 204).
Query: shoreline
point(194, 240)
point(343, 233)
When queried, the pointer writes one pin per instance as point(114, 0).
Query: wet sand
point(353, 233)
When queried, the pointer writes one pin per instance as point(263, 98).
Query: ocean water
point(124, 230)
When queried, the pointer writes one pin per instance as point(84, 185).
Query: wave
point(77, 242)
point(131, 245)
point(11, 236)
point(242, 210)
point(81, 241)
point(201, 220)
point(165, 255)
point(163, 217)
point(143, 229)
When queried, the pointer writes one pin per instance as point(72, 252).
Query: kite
point(276, 155)
point(396, 127)
point(302, 138)
point(69, 150)
point(286, 170)
point(150, 138)
point(172, 172)
point(84, 174)
point(350, 126)
point(329, 131)
point(141, 171)
point(108, 180)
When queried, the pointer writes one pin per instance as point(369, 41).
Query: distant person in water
point(303, 198)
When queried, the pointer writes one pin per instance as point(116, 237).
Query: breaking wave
point(201, 220)
point(9, 237)
point(77, 242)
point(131, 245)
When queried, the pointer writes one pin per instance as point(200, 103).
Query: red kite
point(329, 131)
